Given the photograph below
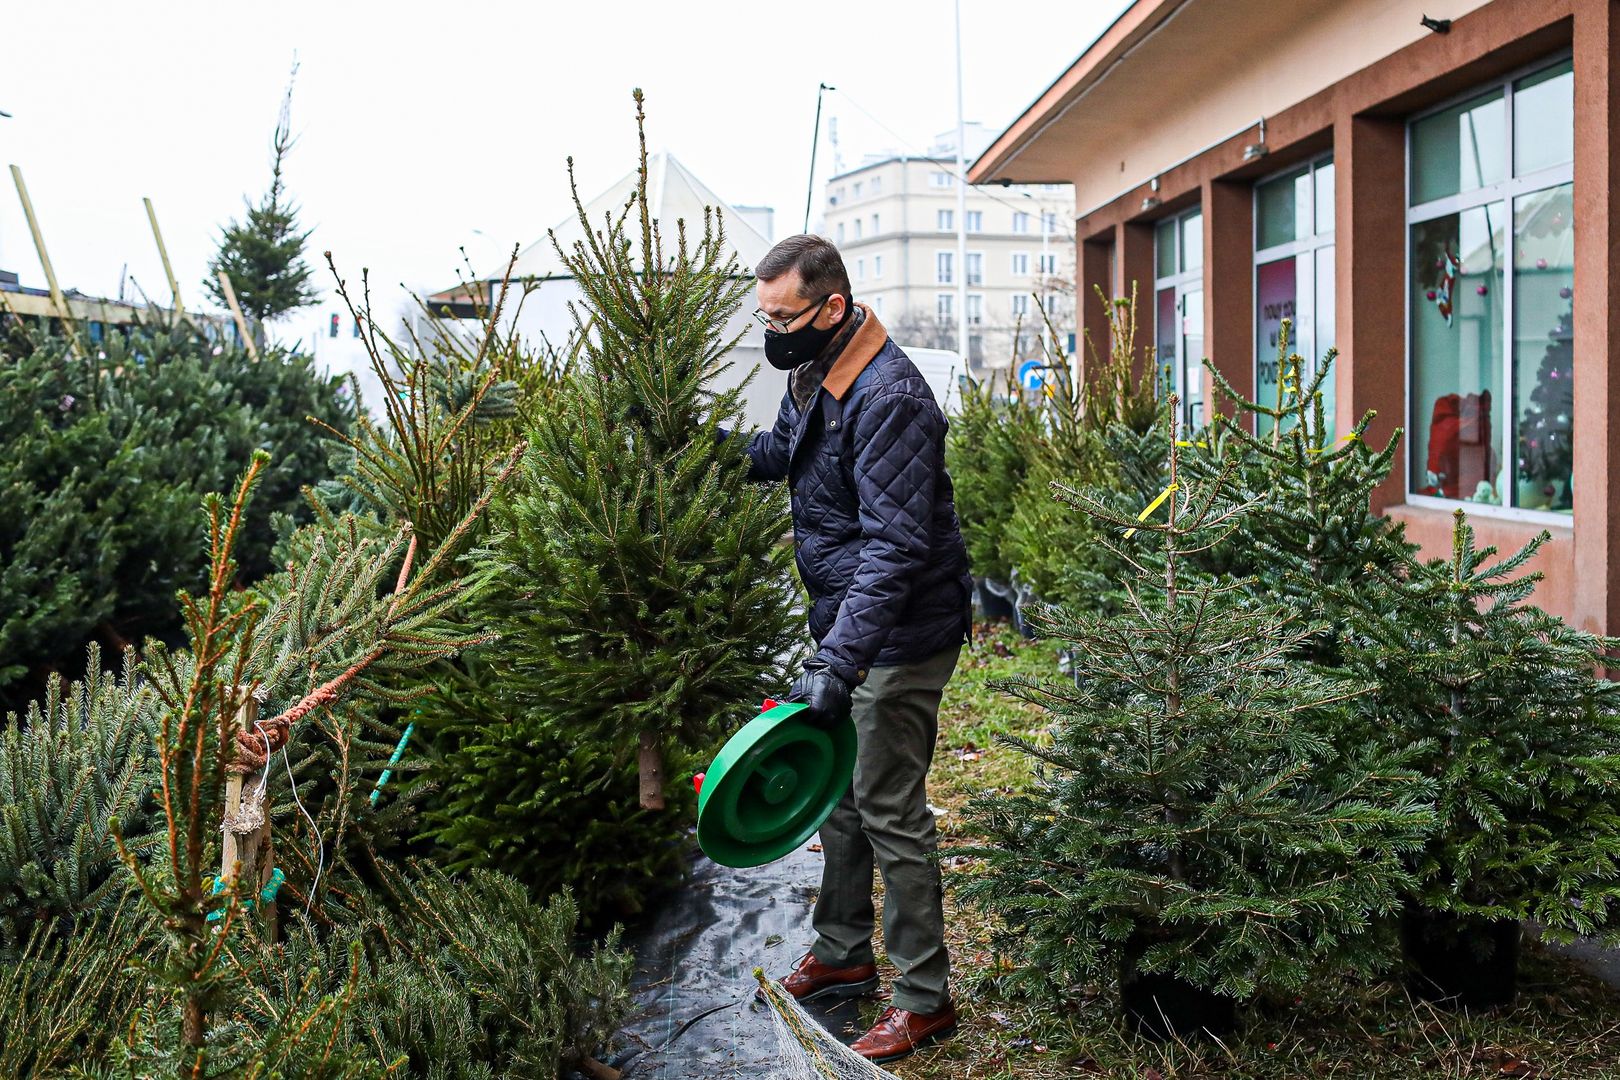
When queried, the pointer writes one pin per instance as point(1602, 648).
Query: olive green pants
point(884, 821)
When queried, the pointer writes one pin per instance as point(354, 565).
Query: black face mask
point(787, 351)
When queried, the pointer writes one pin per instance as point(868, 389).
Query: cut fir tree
point(1190, 819)
point(657, 597)
point(1314, 528)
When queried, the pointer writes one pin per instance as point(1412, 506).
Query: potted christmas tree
point(1521, 740)
point(1191, 831)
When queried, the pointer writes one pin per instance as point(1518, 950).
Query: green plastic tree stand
point(772, 785)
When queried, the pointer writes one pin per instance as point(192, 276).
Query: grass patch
point(1566, 1022)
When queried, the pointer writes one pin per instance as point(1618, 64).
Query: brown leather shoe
point(811, 980)
point(898, 1033)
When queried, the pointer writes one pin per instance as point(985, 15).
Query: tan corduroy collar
point(866, 343)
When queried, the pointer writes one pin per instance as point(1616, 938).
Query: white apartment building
point(894, 219)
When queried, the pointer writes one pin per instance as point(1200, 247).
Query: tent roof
point(673, 192)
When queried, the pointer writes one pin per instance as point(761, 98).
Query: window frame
point(1293, 249)
point(1506, 192)
point(1177, 282)
point(951, 255)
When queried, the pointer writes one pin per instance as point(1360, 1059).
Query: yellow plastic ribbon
point(1152, 506)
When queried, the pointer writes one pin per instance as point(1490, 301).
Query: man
point(861, 443)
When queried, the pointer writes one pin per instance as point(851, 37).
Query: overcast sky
point(424, 127)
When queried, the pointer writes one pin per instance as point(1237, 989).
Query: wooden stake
point(57, 298)
point(247, 851)
point(236, 313)
point(168, 271)
point(650, 764)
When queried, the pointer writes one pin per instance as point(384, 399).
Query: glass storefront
point(1491, 296)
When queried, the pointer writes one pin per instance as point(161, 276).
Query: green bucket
point(772, 785)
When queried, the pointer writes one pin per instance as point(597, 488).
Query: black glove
point(825, 692)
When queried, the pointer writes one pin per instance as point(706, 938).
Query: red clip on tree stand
point(772, 785)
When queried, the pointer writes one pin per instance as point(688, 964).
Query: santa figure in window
point(1461, 453)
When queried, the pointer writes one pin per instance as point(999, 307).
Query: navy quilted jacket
point(874, 519)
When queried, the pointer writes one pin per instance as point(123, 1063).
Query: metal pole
point(961, 206)
point(815, 139)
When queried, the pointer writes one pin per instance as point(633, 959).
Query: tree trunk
point(193, 1025)
point(651, 764)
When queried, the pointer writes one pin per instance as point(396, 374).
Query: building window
point(860, 269)
point(975, 309)
point(837, 196)
point(877, 184)
point(840, 233)
point(874, 224)
point(1293, 278)
point(939, 179)
point(1049, 222)
point(945, 220)
point(877, 266)
point(1020, 222)
point(944, 264)
point(944, 307)
point(1020, 264)
point(1490, 280)
point(877, 306)
point(1020, 305)
point(1047, 264)
point(857, 228)
point(974, 220)
point(1178, 311)
point(857, 189)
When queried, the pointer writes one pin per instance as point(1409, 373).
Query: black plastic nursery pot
point(995, 600)
point(1163, 1007)
point(1455, 960)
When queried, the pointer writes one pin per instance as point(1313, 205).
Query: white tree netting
point(805, 1049)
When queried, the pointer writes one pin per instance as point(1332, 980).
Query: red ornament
point(1481, 290)
point(1429, 295)
point(1541, 264)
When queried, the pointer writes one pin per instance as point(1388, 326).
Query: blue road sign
point(1030, 375)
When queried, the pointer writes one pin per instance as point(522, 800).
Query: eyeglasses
point(781, 325)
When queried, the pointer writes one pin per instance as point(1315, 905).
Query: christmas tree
point(104, 462)
point(1191, 816)
point(264, 255)
point(1313, 527)
point(1510, 722)
point(1546, 429)
point(987, 451)
point(1046, 539)
point(651, 595)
